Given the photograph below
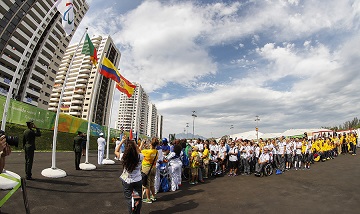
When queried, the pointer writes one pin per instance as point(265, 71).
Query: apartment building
point(137, 113)
point(152, 120)
point(32, 44)
point(85, 83)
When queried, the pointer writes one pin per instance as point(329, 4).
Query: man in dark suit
point(29, 146)
point(77, 149)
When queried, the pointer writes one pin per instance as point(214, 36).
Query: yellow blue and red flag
point(109, 70)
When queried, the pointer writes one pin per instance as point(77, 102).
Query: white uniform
point(101, 147)
point(175, 167)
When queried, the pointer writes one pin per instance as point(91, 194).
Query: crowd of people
point(227, 157)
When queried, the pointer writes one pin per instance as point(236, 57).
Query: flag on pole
point(109, 70)
point(89, 50)
point(66, 9)
point(125, 86)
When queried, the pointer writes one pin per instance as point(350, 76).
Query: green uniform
point(29, 147)
point(77, 149)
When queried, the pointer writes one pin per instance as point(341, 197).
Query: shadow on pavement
point(177, 208)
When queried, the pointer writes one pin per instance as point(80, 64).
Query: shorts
point(194, 171)
point(151, 177)
point(233, 164)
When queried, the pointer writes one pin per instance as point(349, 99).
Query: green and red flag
point(89, 50)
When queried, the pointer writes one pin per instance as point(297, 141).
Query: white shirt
point(214, 147)
point(222, 152)
point(101, 143)
point(233, 157)
point(135, 175)
point(289, 148)
point(243, 152)
point(264, 157)
point(281, 148)
point(298, 147)
point(200, 146)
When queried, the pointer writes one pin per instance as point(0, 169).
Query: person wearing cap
point(77, 149)
point(29, 146)
point(101, 147)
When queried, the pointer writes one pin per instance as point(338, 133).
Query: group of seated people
point(244, 157)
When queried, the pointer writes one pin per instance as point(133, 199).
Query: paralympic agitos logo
point(67, 14)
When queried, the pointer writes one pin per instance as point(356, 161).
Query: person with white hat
point(101, 147)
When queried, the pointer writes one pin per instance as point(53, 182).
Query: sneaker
point(152, 198)
point(192, 183)
point(148, 201)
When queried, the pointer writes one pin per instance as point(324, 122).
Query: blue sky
point(294, 63)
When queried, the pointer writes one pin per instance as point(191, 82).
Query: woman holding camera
point(131, 176)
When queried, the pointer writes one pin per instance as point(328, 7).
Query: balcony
point(54, 99)
point(52, 109)
point(55, 95)
point(82, 80)
point(78, 96)
point(80, 86)
point(75, 113)
point(75, 108)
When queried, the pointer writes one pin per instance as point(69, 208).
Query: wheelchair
point(266, 171)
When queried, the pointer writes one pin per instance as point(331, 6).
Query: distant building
point(80, 86)
point(33, 64)
point(137, 113)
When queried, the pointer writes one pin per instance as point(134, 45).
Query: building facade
point(32, 44)
point(137, 113)
point(85, 84)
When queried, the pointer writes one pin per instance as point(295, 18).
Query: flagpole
point(12, 85)
point(107, 160)
point(7, 183)
point(54, 172)
point(86, 165)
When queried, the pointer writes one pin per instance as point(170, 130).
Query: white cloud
point(301, 71)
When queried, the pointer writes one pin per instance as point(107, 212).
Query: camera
point(11, 140)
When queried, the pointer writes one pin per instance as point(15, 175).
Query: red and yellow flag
point(125, 86)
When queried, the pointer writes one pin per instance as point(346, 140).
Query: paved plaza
point(329, 187)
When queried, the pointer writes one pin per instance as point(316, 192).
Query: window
point(45, 103)
point(47, 94)
point(51, 79)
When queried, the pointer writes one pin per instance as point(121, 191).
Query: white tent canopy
point(250, 135)
point(271, 135)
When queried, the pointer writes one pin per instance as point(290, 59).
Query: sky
point(292, 63)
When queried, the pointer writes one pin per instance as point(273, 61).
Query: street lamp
point(194, 115)
point(187, 130)
point(257, 128)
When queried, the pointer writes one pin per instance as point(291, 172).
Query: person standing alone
point(101, 147)
point(77, 149)
point(29, 146)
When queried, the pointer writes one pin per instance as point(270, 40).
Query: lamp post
point(257, 128)
point(231, 128)
point(187, 130)
point(194, 115)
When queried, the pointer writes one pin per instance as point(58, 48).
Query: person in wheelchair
point(262, 163)
point(214, 164)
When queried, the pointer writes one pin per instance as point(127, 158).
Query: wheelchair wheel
point(268, 170)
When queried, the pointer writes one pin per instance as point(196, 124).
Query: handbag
point(144, 176)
